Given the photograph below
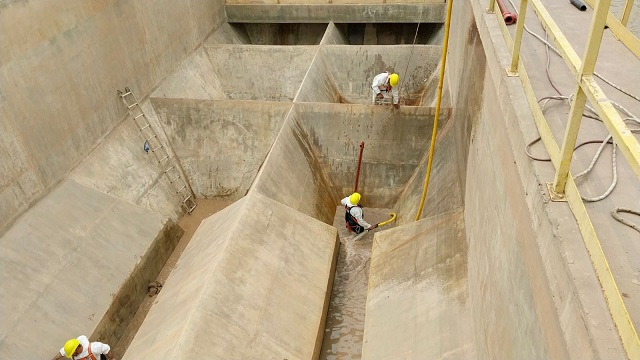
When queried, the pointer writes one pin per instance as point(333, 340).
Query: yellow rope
point(438, 101)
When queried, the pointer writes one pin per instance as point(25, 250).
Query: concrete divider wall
point(61, 66)
point(237, 295)
point(319, 84)
point(353, 69)
point(292, 173)
point(228, 34)
point(195, 78)
point(220, 144)
point(334, 36)
point(418, 304)
point(260, 72)
point(67, 261)
point(395, 141)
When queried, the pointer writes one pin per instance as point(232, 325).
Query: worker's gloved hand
point(379, 96)
point(396, 106)
point(373, 226)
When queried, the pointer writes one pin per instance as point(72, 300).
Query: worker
point(354, 214)
point(387, 83)
point(81, 349)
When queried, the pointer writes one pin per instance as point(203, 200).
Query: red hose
point(359, 162)
point(508, 16)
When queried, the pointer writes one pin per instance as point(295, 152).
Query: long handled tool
point(359, 236)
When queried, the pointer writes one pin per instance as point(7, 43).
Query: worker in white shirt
point(388, 83)
point(354, 216)
point(81, 349)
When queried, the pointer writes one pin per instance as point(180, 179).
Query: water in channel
point(344, 329)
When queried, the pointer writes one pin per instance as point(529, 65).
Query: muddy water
point(188, 223)
point(345, 319)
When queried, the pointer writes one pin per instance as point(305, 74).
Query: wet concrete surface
point(344, 328)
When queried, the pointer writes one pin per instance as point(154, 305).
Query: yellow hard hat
point(393, 79)
point(354, 198)
point(70, 347)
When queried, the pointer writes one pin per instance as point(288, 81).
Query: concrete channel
point(263, 107)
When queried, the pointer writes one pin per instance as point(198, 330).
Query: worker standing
point(354, 216)
point(81, 349)
point(388, 83)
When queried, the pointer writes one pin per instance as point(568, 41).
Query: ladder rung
point(182, 188)
point(185, 199)
point(125, 94)
point(154, 136)
point(144, 127)
point(169, 169)
point(138, 116)
point(132, 105)
point(176, 178)
point(193, 207)
point(163, 159)
point(154, 150)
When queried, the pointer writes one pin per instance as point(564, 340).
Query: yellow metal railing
point(563, 186)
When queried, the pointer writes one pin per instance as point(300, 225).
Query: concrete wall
point(354, 67)
point(240, 296)
point(418, 304)
point(395, 141)
point(260, 72)
point(60, 68)
point(292, 173)
point(220, 144)
point(77, 263)
point(284, 34)
point(432, 12)
point(334, 36)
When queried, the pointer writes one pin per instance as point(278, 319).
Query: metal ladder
point(167, 163)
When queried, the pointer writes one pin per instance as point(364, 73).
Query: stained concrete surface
point(394, 143)
point(418, 304)
point(273, 308)
point(220, 144)
point(264, 72)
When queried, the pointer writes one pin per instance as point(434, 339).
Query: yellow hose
point(393, 217)
point(445, 45)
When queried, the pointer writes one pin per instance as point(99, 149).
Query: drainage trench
point(344, 328)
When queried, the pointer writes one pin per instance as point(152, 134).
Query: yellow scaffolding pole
point(620, 30)
point(617, 308)
point(592, 49)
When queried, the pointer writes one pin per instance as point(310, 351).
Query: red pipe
point(508, 16)
point(359, 162)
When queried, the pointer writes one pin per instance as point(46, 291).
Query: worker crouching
point(388, 83)
point(81, 349)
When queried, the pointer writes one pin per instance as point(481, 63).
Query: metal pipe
point(355, 189)
point(508, 16)
point(579, 5)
